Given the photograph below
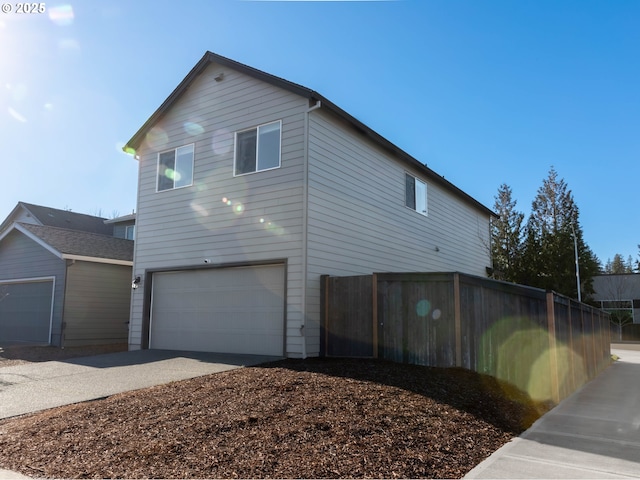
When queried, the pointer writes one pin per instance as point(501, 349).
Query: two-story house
point(65, 277)
point(250, 188)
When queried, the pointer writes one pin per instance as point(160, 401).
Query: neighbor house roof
point(54, 217)
point(77, 245)
point(313, 97)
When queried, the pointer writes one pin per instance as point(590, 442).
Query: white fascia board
point(82, 258)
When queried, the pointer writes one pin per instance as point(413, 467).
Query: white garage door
point(229, 310)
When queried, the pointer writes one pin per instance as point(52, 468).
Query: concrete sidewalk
point(594, 433)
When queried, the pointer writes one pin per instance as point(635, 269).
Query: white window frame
point(175, 151)
point(257, 129)
point(132, 229)
point(420, 200)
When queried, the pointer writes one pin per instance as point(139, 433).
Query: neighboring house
point(250, 188)
point(64, 279)
point(619, 294)
point(123, 227)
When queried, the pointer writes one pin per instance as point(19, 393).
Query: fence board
point(545, 344)
point(349, 316)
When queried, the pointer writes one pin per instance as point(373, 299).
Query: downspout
point(305, 218)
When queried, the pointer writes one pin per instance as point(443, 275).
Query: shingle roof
point(84, 244)
point(54, 217)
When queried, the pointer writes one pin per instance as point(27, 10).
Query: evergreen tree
point(618, 265)
point(506, 236)
point(548, 257)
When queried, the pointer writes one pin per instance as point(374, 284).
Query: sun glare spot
point(172, 174)
point(193, 129)
point(222, 141)
point(437, 313)
point(17, 115)
point(156, 138)
point(423, 307)
point(61, 15)
point(199, 209)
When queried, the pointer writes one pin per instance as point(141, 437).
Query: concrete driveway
point(37, 386)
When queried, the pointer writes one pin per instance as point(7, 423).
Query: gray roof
point(54, 217)
point(313, 97)
point(84, 244)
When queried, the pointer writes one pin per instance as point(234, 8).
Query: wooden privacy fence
point(544, 343)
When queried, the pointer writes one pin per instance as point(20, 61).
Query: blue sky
point(484, 92)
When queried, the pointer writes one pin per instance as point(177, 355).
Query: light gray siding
point(22, 258)
point(225, 219)
point(97, 302)
point(358, 222)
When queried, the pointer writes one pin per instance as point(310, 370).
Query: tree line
point(541, 251)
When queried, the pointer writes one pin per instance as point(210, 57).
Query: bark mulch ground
point(314, 418)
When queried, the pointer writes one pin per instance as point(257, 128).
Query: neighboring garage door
point(25, 311)
point(227, 310)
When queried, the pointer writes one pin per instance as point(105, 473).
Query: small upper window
point(258, 149)
point(416, 194)
point(129, 232)
point(175, 168)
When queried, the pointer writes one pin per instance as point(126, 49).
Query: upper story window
point(129, 232)
point(258, 149)
point(175, 168)
point(416, 194)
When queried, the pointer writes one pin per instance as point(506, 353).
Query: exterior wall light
point(136, 282)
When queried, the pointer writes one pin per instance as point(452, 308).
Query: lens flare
point(17, 115)
point(193, 129)
point(222, 141)
point(62, 15)
point(172, 174)
point(156, 138)
point(423, 307)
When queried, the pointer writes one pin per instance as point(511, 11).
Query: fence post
point(553, 352)
point(457, 320)
point(374, 313)
point(324, 315)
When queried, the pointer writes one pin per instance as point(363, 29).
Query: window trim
point(257, 129)
point(132, 229)
point(417, 181)
point(175, 153)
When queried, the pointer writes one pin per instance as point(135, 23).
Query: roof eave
point(84, 258)
point(210, 57)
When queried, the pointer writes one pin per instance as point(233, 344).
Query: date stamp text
point(28, 8)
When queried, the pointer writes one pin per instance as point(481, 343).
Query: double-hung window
point(258, 149)
point(175, 168)
point(416, 194)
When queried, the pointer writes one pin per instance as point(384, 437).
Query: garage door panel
point(233, 310)
point(25, 311)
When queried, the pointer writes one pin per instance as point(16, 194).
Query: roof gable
point(314, 98)
point(78, 245)
point(54, 217)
